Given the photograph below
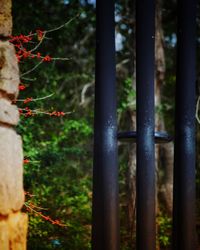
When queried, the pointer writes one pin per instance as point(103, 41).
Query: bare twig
point(28, 79)
point(197, 110)
point(34, 206)
point(63, 25)
point(57, 28)
point(39, 111)
point(31, 70)
point(36, 99)
point(83, 92)
point(38, 45)
point(37, 65)
point(47, 218)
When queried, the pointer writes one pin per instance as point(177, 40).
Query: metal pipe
point(145, 183)
point(184, 161)
point(105, 218)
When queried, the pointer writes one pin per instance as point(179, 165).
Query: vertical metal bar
point(105, 221)
point(184, 165)
point(145, 32)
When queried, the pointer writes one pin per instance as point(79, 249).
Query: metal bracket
point(130, 136)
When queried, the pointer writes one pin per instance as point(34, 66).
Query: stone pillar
point(13, 223)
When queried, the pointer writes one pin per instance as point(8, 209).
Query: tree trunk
point(131, 181)
point(164, 151)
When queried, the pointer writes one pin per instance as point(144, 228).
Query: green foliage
point(127, 96)
point(72, 205)
point(60, 179)
point(164, 231)
point(59, 148)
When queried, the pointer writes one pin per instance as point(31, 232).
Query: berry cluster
point(27, 112)
point(57, 113)
point(21, 87)
point(24, 53)
point(26, 161)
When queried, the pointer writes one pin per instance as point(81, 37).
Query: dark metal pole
point(105, 221)
point(145, 32)
point(184, 166)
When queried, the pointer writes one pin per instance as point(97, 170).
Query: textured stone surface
point(9, 70)
point(4, 234)
point(13, 224)
point(17, 231)
point(5, 18)
point(11, 177)
point(8, 113)
point(13, 231)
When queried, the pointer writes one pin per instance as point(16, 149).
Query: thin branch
point(36, 99)
point(31, 70)
point(27, 205)
point(197, 110)
point(122, 63)
point(63, 25)
point(29, 79)
point(34, 206)
point(38, 45)
point(39, 111)
point(37, 65)
point(59, 58)
point(57, 28)
point(83, 92)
